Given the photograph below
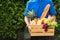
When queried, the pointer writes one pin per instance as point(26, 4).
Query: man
point(38, 7)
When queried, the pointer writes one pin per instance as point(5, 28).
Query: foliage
point(57, 7)
point(11, 17)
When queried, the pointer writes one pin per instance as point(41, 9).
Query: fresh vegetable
point(31, 14)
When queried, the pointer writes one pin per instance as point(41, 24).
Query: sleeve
point(52, 11)
point(26, 10)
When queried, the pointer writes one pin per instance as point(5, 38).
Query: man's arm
point(27, 21)
point(53, 17)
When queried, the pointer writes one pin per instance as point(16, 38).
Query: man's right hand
point(28, 23)
point(29, 28)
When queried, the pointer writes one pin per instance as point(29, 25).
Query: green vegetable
point(31, 14)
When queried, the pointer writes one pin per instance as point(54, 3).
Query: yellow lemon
point(43, 19)
point(39, 22)
point(33, 22)
point(47, 21)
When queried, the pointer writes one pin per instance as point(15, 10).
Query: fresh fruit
point(35, 19)
point(42, 22)
point(45, 26)
point(43, 19)
point(55, 24)
point(33, 22)
point(39, 22)
point(47, 21)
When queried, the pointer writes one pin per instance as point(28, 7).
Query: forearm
point(27, 21)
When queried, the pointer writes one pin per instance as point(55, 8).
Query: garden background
point(12, 23)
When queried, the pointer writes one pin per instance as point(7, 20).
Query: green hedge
point(12, 18)
point(57, 7)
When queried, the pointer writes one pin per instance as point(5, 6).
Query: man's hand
point(53, 18)
point(29, 27)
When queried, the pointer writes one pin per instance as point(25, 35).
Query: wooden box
point(39, 31)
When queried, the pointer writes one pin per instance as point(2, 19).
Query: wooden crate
point(39, 31)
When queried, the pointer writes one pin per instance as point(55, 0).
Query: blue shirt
point(38, 7)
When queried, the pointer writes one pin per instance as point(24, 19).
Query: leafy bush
point(11, 17)
point(57, 6)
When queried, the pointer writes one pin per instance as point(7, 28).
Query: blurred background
point(12, 25)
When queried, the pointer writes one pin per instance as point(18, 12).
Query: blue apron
point(38, 7)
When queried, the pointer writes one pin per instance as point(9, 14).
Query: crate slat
point(39, 31)
point(42, 34)
point(42, 30)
